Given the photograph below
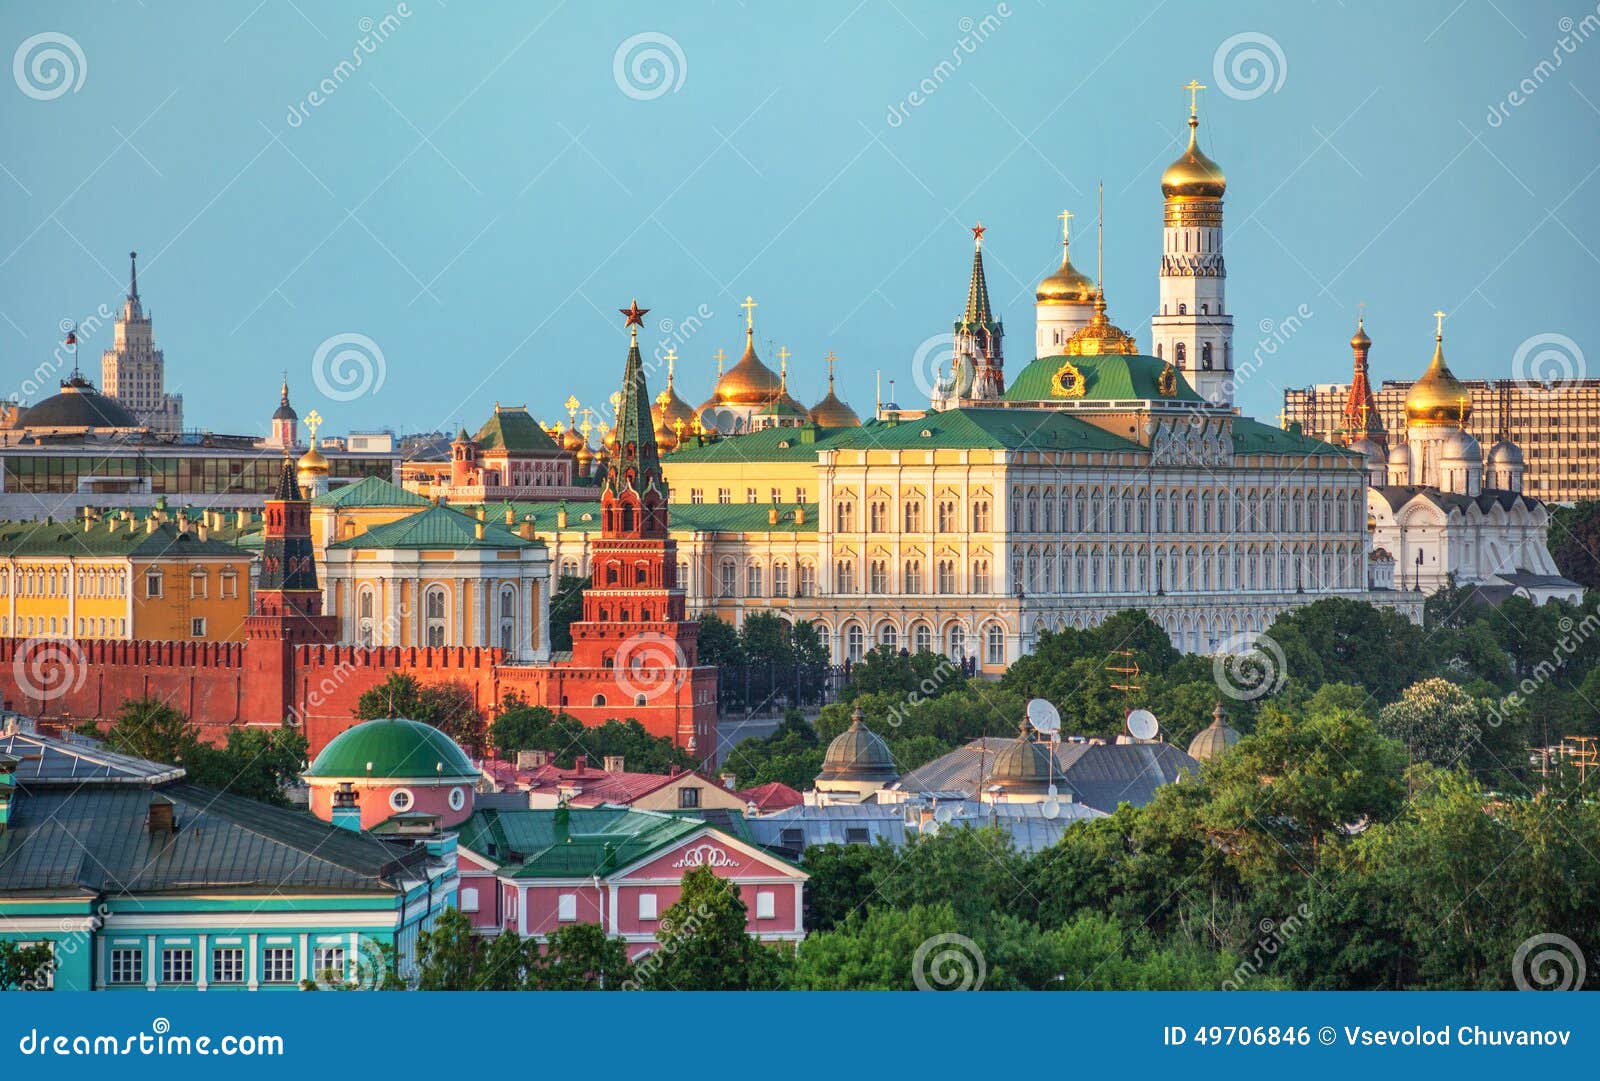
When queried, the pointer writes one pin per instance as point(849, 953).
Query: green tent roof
point(768, 445)
point(438, 527)
point(994, 429)
point(392, 748)
point(1108, 377)
point(512, 428)
point(370, 492)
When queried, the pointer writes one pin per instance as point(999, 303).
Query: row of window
point(920, 639)
point(751, 495)
point(87, 628)
point(1201, 569)
point(176, 964)
point(436, 616)
point(1239, 511)
point(947, 516)
point(766, 907)
point(60, 581)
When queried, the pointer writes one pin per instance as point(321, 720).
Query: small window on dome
point(400, 799)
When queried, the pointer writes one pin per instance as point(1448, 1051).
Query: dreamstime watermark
point(1548, 362)
point(62, 357)
point(1249, 666)
point(1249, 65)
point(973, 33)
point(49, 65)
point(1274, 933)
point(1573, 33)
point(347, 366)
point(49, 668)
point(648, 665)
point(650, 65)
point(158, 1041)
point(1275, 334)
point(1573, 635)
point(366, 971)
point(1549, 962)
point(949, 962)
point(928, 365)
point(374, 32)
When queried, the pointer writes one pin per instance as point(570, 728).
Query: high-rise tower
point(1193, 328)
point(133, 370)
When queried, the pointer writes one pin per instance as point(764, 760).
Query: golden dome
point(1100, 337)
point(312, 460)
point(1438, 397)
point(1359, 339)
point(748, 382)
point(1068, 285)
point(571, 441)
point(832, 412)
point(673, 410)
point(1193, 175)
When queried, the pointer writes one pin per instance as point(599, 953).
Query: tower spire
point(1100, 242)
point(133, 275)
point(978, 289)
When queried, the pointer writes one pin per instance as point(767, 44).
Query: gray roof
point(1033, 827)
point(1099, 775)
point(44, 761)
point(1398, 495)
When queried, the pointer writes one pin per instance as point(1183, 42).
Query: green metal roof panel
point(438, 527)
point(514, 430)
point(1253, 437)
point(1108, 377)
point(99, 539)
point(682, 517)
point(574, 842)
point(392, 748)
point(768, 445)
point(370, 492)
point(992, 429)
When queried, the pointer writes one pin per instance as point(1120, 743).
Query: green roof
point(370, 492)
point(993, 429)
point(73, 539)
point(571, 842)
point(392, 748)
point(681, 517)
point(511, 428)
point(768, 445)
point(1107, 377)
point(437, 528)
point(1253, 437)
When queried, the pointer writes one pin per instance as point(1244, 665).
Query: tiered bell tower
point(1193, 329)
point(634, 651)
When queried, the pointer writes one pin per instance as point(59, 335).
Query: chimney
point(614, 763)
point(150, 523)
point(241, 518)
point(161, 818)
point(201, 531)
point(532, 759)
point(561, 518)
point(511, 516)
point(477, 530)
point(799, 516)
point(581, 764)
point(772, 514)
point(727, 780)
point(525, 530)
point(345, 814)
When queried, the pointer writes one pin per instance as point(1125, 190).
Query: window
point(766, 905)
point(752, 575)
point(127, 966)
point(227, 964)
point(947, 576)
point(922, 638)
point(1180, 352)
point(780, 579)
point(958, 643)
point(697, 495)
point(434, 606)
point(400, 799)
point(980, 576)
point(750, 496)
point(198, 584)
point(853, 642)
point(327, 964)
point(688, 798)
point(878, 577)
point(647, 906)
point(458, 798)
point(729, 581)
point(229, 582)
point(152, 585)
point(724, 495)
point(808, 581)
point(277, 964)
point(777, 495)
point(567, 907)
point(995, 643)
point(855, 835)
point(791, 839)
point(913, 577)
point(913, 517)
point(877, 513)
point(197, 627)
point(980, 516)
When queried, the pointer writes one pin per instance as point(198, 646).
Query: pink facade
point(630, 902)
point(378, 800)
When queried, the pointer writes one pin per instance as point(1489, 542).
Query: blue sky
point(481, 194)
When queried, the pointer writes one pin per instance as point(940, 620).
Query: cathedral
point(1438, 506)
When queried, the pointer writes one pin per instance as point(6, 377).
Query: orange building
point(158, 579)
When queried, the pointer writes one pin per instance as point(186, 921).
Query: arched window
point(877, 516)
point(913, 578)
point(1205, 356)
point(853, 642)
point(878, 577)
point(508, 617)
point(980, 516)
point(1183, 309)
point(994, 645)
point(980, 576)
point(752, 580)
point(1180, 353)
point(434, 606)
point(844, 514)
point(947, 517)
point(913, 516)
point(922, 638)
point(364, 621)
point(957, 647)
point(844, 576)
point(888, 637)
point(780, 579)
point(808, 581)
point(728, 578)
point(947, 576)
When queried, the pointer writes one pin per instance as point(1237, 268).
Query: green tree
point(256, 763)
point(449, 707)
point(581, 957)
point(872, 950)
point(449, 957)
point(704, 945)
point(913, 677)
point(1434, 720)
point(792, 755)
point(566, 608)
point(974, 870)
point(1343, 641)
point(842, 880)
point(26, 968)
point(718, 642)
point(149, 728)
point(523, 727)
point(1575, 541)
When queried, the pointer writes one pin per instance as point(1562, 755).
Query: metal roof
point(1099, 775)
point(1032, 827)
point(42, 761)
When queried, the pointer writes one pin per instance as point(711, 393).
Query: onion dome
point(832, 412)
point(668, 413)
point(1024, 767)
point(1505, 452)
point(749, 382)
point(1462, 447)
point(858, 754)
point(1100, 336)
point(1359, 340)
point(78, 405)
point(285, 411)
point(585, 456)
point(571, 440)
point(1438, 397)
point(1193, 175)
point(1215, 740)
point(393, 748)
point(312, 461)
point(1068, 285)
point(1370, 449)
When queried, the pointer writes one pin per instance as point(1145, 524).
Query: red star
point(977, 232)
point(635, 314)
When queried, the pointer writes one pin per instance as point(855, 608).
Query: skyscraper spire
point(133, 276)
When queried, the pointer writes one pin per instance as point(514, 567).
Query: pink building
point(612, 785)
point(535, 870)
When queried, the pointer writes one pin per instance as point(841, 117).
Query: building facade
point(133, 372)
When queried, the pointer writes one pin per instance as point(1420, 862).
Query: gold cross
point(1194, 89)
point(1364, 410)
point(749, 307)
point(572, 406)
point(1283, 420)
point(783, 355)
point(1066, 225)
point(313, 421)
point(1461, 409)
point(719, 356)
point(672, 358)
point(662, 399)
point(616, 400)
point(677, 429)
point(1439, 332)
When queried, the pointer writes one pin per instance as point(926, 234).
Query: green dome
point(393, 749)
point(1105, 377)
point(858, 754)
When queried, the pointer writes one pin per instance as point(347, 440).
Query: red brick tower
point(633, 653)
point(1361, 418)
point(287, 609)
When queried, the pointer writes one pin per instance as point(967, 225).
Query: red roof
point(772, 796)
point(598, 786)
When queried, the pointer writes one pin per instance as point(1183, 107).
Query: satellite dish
point(1142, 725)
point(1052, 806)
point(1043, 716)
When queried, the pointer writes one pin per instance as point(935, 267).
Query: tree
point(1435, 721)
point(566, 607)
point(26, 968)
point(522, 727)
point(149, 728)
point(792, 755)
point(842, 880)
point(581, 957)
point(449, 707)
point(256, 763)
point(1575, 542)
point(1343, 641)
point(450, 956)
point(764, 639)
point(718, 642)
point(872, 950)
point(974, 870)
point(704, 945)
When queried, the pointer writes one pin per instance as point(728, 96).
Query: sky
point(456, 220)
